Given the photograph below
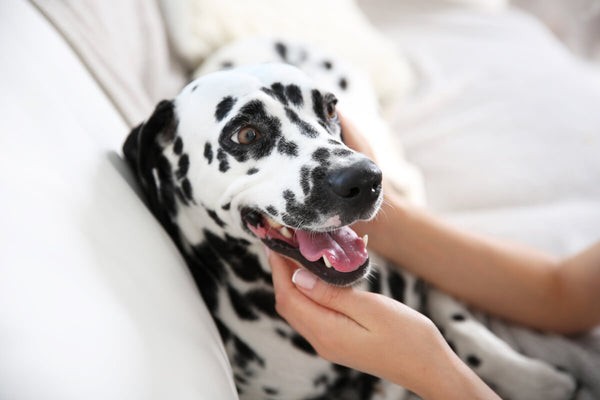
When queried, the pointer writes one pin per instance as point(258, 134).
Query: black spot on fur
point(226, 206)
point(278, 90)
point(321, 155)
point(194, 88)
point(178, 146)
point(305, 179)
point(183, 166)
point(458, 317)
point(349, 384)
point(272, 210)
point(243, 263)
point(282, 50)
point(252, 171)
point(318, 105)
point(327, 64)
point(302, 344)
point(264, 301)
point(287, 148)
point(166, 186)
point(208, 153)
point(253, 113)
point(343, 83)
point(239, 379)
point(226, 64)
point(186, 186)
point(342, 152)
point(294, 95)
point(245, 355)
point(473, 361)
point(335, 142)
point(208, 272)
point(420, 289)
point(295, 210)
point(305, 128)
point(375, 281)
point(397, 286)
point(270, 390)
point(223, 161)
point(224, 107)
point(181, 196)
point(224, 332)
point(213, 215)
point(281, 333)
point(240, 305)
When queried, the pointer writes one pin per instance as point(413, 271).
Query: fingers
point(311, 320)
point(357, 305)
point(295, 286)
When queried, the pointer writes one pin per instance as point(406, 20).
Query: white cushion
point(199, 27)
point(95, 300)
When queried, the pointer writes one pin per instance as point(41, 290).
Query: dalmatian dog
point(253, 156)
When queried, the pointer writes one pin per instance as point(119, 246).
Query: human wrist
point(452, 379)
point(388, 227)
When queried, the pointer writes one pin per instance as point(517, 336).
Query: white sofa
point(96, 302)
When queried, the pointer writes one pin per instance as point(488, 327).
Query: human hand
point(368, 332)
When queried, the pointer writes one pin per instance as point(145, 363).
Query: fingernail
point(304, 279)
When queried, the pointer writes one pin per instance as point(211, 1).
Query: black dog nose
point(360, 182)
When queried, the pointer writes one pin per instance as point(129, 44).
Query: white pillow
point(199, 27)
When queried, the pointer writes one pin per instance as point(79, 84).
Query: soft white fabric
point(95, 300)
point(124, 46)
point(505, 124)
point(199, 27)
point(575, 22)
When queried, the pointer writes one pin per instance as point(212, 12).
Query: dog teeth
point(327, 263)
point(365, 239)
point(273, 224)
point(285, 232)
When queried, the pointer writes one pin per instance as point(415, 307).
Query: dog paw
point(536, 381)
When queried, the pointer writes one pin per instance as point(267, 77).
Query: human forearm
point(508, 280)
point(452, 379)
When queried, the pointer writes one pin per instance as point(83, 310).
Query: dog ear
point(145, 139)
point(143, 150)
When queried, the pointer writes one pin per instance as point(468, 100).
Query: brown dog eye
point(330, 110)
point(246, 135)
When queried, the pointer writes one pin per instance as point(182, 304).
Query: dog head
point(257, 153)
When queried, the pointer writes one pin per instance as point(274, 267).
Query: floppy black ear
point(143, 139)
point(143, 150)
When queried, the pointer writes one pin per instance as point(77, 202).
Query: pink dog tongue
point(343, 248)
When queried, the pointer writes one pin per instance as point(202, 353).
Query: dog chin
point(338, 256)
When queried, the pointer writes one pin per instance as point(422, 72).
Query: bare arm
point(511, 281)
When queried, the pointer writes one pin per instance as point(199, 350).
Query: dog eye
point(246, 135)
point(330, 110)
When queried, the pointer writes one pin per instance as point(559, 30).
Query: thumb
point(354, 303)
